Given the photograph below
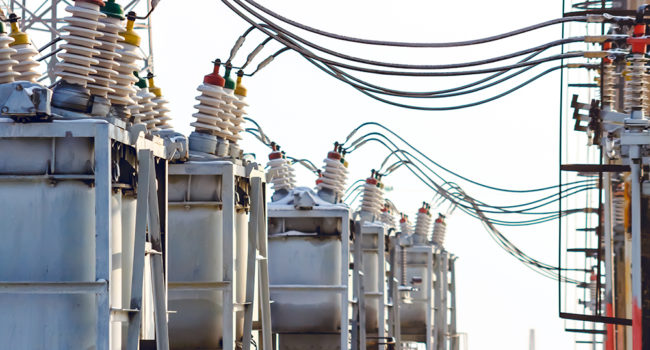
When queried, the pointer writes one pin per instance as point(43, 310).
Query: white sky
point(508, 143)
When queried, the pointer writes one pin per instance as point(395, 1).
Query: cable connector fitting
point(596, 54)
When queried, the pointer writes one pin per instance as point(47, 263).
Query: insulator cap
point(20, 38)
point(275, 155)
point(142, 82)
point(130, 36)
point(214, 78)
point(240, 89)
point(422, 210)
point(334, 155)
point(113, 9)
point(96, 2)
point(230, 84)
point(152, 87)
point(371, 181)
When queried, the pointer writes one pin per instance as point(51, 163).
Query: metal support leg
point(431, 303)
point(635, 174)
point(453, 331)
point(103, 268)
point(263, 270)
point(160, 292)
point(253, 234)
point(138, 250)
point(229, 298)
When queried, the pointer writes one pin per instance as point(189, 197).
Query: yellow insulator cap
point(240, 89)
point(130, 36)
point(153, 88)
point(20, 38)
point(345, 163)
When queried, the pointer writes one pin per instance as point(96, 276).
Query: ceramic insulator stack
point(82, 29)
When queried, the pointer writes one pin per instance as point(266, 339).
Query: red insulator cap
point(371, 181)
point(96, 2)
point(275, 155)
point(214, 78)
point(638, 42)
point(422, 210)
point(318, 181)
point(607, 46)
point(438, 220)
point(333, 155)
point(402, 220)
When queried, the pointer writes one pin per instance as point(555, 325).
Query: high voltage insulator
point(423, 221)
point(148, 114)
point(333, 176)
point(82, 29)
point(129, 54)
point(281, 171)
point(387, 217)
point(609, 78)
point(136, 109)
point(161, 116)
point(372, 197)
point(239, 111)
point(24, 54)
point(439, 230)
point(619, 208)
point(107, 65)
point(228, 106)
point(635, 87)
point(209, 115)
point(7, 74)
point(405, 226)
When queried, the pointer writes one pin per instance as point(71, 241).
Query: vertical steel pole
point(263, 247)
point(228, 200)
point(453, 331)
point(103, 268)
point(637, 297)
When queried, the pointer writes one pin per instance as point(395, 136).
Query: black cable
point(429, 45)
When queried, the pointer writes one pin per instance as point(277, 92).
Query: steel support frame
point(103, 134)
point(430, 301)
point(257, 254)
point(343, 287)
point(379, 231)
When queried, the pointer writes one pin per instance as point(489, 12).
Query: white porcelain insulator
point(82, 31)
point(108, 53)
point(618, 204)
point(372, 199)
point(135, 108)
point(7, 74)
point(228, 115)
point(439, 231)
point(123, 87)
point(333, 176)
point(635, 87)
point(210, 111)
point(387, 218)
point(161, 110)
point(609, 78)
point(239, 112)
point(282, 175)
point(405, 227)
point(147, 108)
point(26, 66)
point(422, 224)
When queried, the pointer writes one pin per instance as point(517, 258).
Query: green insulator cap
point(113, 9)
point(142, 82)
point(2, 27)
point(230, 83)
